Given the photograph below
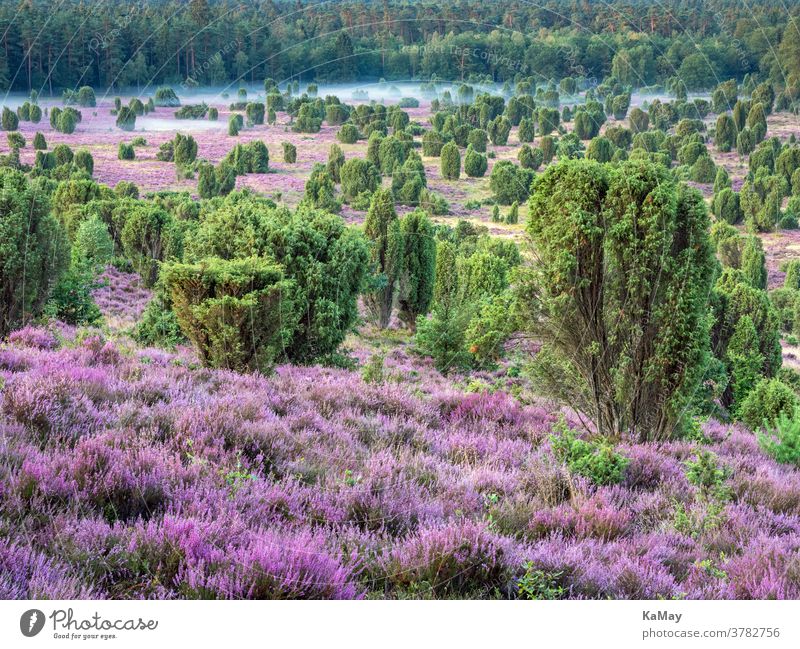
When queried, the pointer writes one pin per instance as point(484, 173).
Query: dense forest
point(122, 44)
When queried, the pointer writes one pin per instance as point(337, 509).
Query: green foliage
point(638, 120)
point(149, 237)
point(16, 140)
point(373, 372)
point(733, 298)
point(33, 249)
point(548, 146)
point(450, 161)
point(289, 152)
point(782, 440)
point(744, 360)
point(726, 206)
point(126, 151)
point(512, 218)
point(165, 96)
point(359, 176)
point(570, 147)
point(325, 259)
point(83, 160)
point(602, 293)
point(126, 119)
point(239, 314)
point(381, 227)
point(185, 149)
point(530, 158)
point(704, 170)
point(335, 162)
point(71, 300)
point(320, 190)
point(510, 183)
point(537, 584)
point(416, 275)
point(234, 125)
point(725, 133)
point(475, 164)
point(765, 403)
point(499, 129)
point(409, 182)
point(708, 476)
point(9, 120)
point(39, 143)
point(526, 130)
point(92, 247)
point(348, 134)
point(754, 263)
point(600, 149)
point(595, 460)
point(391, 154)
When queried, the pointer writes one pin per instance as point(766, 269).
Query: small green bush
point(238, 314)
point(782, 441)
point(126, 151)
point(595, 460)
point(289, 152)
point(765, 403)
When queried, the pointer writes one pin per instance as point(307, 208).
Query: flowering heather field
point(134, 473)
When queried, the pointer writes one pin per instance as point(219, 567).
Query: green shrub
point(726, 206)
point(126, 151)
point(509, 182)
point(149, 237)
point(416, 272)
point(359, 176)
point(537, 584)
point(478, 139)
point(39, 143)
point(239, 314)
point(432, 143)
point(782, 440)
point(33, 249)
point(126, 119)
point(71, 300)
point(475, 164)
point(348, 134)
point(600, 149)
point(9, 119)
point(92, 246)
point(184, 149)
point(704, 170)
point(595, 460)
point(84, 160)
point(706, 474)
point(16, 140)
point(765, 403)
point(289, 152)
point(165, 96)
point(326, 260)
point(590, 225)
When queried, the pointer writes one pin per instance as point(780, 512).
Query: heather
point(131, 473)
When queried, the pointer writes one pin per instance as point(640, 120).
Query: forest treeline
point(146, 43)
